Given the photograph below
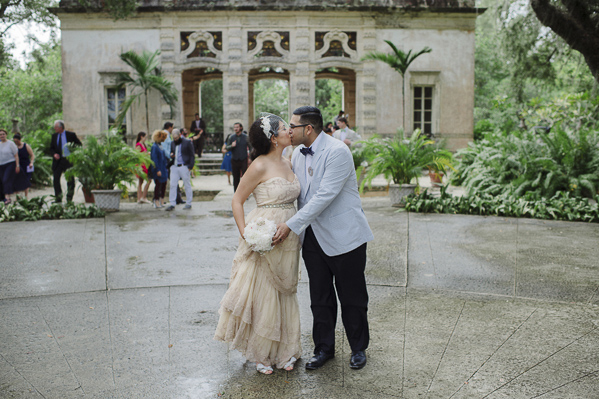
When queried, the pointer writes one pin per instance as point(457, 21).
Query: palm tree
point(400, 61)
point(146, 76)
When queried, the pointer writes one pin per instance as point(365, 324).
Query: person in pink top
point(142, 194)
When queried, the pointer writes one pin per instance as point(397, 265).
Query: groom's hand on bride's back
point(281, 233)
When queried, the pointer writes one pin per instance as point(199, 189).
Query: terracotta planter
point(397, 193)
point(88, 195)
point(108, 200)
point(436, 177)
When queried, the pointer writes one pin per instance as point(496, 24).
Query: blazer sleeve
point(73, 138)
point(202, 125)
point(338, 168)
point(54, 145)
point(190, 152)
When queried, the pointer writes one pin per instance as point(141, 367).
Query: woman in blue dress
point(158, 170)
point(226, 164)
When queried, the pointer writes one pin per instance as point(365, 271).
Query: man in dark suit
point(198, 134)
point(59, 149)
point(183, 162)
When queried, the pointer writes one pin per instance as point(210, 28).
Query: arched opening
point(336, 91)
point(203, 93)
point(268, 92)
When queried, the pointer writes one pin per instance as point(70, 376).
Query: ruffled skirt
point(259, 314)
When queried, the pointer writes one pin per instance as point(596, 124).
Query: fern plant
point(402, 160)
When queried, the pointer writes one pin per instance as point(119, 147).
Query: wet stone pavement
point(460, 307)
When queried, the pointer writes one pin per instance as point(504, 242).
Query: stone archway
point(348, 78)
point(191, 80)
point(256, 74)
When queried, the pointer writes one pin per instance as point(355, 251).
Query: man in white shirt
point(345, 134)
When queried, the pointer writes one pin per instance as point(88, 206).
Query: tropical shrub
point(106, 163)
point(562, 206)
point(402, 160)
point(40, 208)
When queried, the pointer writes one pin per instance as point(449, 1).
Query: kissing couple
point(259, 313)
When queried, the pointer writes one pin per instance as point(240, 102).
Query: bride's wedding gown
point(259, 314)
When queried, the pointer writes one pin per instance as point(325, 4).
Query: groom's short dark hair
point(310, 115)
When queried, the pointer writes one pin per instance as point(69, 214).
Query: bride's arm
point(248, 183)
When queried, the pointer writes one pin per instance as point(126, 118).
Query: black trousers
point(198, 145)
point(239, 168)
point(345, 274)
point(60, 168)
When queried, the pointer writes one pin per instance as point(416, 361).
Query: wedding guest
point(166, 146)
point(26, 158)
point(226, 164)
point(345, 134)
point(158, 172)
point(328, 129)
point(198, 130)
point(9, 165)
point(184, 160)
point(60, 151)
point(140, 144)
point(238, 144)
point(340, 115)
point(184, 132)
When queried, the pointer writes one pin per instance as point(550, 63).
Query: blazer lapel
point(300, 172)
point(316, 158)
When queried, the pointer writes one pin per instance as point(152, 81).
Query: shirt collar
point(317, 142)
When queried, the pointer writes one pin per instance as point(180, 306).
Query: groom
point(335, 234)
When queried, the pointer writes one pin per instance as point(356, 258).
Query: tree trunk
point(576, 24)
point(147, 117)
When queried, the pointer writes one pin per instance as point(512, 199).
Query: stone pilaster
point(366, 97)
point(301, 79)
point(235, 82)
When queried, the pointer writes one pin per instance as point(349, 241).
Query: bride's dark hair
point(258, 140)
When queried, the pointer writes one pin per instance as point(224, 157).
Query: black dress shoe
point(318, 360)
point(357, 360)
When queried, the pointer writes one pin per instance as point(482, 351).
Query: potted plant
point(105, 166)
point(402, 161)
point(442, 161)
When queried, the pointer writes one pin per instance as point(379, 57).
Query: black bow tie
point(307, 150)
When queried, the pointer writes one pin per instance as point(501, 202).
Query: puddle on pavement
point(221, 213)
point(189, 217)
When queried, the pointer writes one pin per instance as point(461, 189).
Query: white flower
point(265, 125)
point(258, 234)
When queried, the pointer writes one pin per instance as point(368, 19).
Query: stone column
point(235, 80)
point(301, 79)
point(168, 38)
point(366, 88)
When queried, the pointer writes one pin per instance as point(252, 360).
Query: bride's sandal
point(290, 364)
point(263, 369)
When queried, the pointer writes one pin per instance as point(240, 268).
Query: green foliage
point(562, 206)
point(329, 96)
point(40, 208)
point(272, 95)
point(33, 95)
point(211, 92)
point(17, 12)
point(402, 160)
point(147, 76)
point(118, 9)
point(106, 163)
point(517, 59)
point(535, 162)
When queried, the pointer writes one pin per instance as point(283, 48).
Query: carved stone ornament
point(201, 36)
point(272, 38)
point(338, 37)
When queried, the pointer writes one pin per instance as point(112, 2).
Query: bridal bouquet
point(258, 234)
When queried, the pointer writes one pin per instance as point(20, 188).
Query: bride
point(259, 314)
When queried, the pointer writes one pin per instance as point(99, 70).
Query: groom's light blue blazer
point(331, 202)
